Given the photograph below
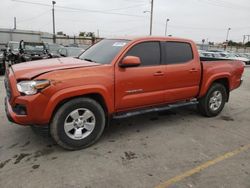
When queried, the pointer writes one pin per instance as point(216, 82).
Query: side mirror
point(130, 61)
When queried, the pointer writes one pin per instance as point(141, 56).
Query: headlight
point(32, 87)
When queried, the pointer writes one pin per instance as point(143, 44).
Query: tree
point(247, 44)
point(87, 34)
point(60, 33)
point(82, 34)
point(232, 43)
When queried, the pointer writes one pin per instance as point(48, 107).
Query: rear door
point(183, 71)
point(143, 85)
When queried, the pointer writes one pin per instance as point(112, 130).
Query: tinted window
point(148, 52)
point(178, 52)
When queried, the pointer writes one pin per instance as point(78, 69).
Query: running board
point(153, 109)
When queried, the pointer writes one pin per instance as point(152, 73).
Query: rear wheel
point(214, 101)
point(78, 123)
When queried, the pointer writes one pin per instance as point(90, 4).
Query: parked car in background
point(12, 51)
point(234, 56)
point(70, 51)
point(53, 49)
point(2, 63)
point(30, 51)
point(116, 78)
point(218, 54)
point(84, 46)
point(210, 54)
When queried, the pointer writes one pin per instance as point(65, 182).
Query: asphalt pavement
point(176, 148)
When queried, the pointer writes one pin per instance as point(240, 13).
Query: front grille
point(7, 88)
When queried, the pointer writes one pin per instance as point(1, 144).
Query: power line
point(79, 9)
point(34, 17)
point(128, 7)
point(201, 28)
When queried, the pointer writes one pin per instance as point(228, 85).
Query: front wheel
point(78, 123)
point(214, 101)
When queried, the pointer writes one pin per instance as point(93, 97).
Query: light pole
point(14, 23)
point(53, 16)
point(151, 17)
point(166, 28)
point(228, 33)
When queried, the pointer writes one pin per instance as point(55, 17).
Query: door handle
point(193, 70)
point(159, 73)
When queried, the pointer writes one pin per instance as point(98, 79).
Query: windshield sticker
point(119, 44)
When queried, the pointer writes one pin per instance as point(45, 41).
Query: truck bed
point(212, 59)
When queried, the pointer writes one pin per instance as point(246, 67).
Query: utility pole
point(244, 38)
point(228, 33)
point(14, 23)
point(166, 28)
point(227, 38)
point(151, 17)
point(53, 16)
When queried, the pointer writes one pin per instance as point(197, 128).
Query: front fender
point(72, 92)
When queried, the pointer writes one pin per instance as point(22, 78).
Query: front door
point(143, 85)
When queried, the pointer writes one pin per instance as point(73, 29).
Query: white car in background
point(233, 56)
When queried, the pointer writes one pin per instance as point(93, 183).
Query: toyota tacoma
point(116, 78)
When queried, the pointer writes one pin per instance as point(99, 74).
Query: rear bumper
point(241, 81)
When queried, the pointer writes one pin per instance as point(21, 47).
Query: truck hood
point(29, 70)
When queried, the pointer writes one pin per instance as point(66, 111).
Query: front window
point(148, 52)
point(104, 51)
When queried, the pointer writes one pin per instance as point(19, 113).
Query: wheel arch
point(222, 79)
point(101, 96)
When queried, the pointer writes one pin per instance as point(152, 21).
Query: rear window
point(178, 52)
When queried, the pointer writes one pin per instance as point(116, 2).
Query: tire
point(78, 124)
point(214, 101)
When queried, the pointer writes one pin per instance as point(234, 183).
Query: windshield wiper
point(90, 60)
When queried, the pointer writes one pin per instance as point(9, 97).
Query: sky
point(193, 19)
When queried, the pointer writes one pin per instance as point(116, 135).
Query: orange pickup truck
point(116, 78)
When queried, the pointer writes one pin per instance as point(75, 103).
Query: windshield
point(34, 47)
point(104, 51)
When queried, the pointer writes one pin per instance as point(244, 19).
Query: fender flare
point(78, 91)
point(205, 86)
